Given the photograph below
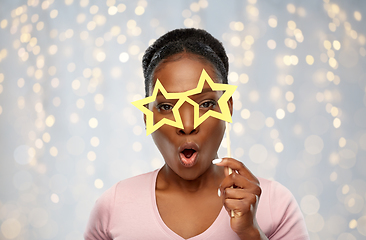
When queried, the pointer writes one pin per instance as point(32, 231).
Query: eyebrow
point(204, 90)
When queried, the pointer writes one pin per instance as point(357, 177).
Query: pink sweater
point(128, 210)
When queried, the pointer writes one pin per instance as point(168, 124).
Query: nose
point(187, 115)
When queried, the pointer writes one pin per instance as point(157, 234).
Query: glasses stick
point(229, 153)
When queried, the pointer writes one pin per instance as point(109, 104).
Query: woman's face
point(189, 151)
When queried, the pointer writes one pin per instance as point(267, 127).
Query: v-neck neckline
point(170, 233)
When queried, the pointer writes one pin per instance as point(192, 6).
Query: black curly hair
point(189, 40)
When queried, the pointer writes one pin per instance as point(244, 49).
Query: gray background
point(64, 67)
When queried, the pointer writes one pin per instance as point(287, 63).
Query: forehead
point(182, 73)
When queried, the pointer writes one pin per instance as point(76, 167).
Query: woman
point(193, 195)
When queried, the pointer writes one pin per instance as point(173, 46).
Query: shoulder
point(131, 185)
point(279, 213)
point(273, 203)
point(135, 187)
point(128, 190)
point(275, 191)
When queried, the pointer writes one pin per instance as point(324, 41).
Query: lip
point(188, 145)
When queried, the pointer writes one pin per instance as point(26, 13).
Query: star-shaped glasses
point(182, 97)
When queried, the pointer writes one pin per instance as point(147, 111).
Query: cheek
point(163, 139)
point(214, 129)
point(158, 116)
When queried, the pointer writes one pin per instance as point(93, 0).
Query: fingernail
point(219, 192)
point(215, 161)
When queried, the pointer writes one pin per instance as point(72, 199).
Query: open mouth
point(188, 154)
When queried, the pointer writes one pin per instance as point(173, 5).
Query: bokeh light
point(69, 70)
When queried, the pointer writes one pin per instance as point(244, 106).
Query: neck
point(211, 178)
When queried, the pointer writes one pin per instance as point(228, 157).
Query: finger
point(240, 207)
point(236, 165)
point(238, 180)
point(235, 180)
point(238, 193)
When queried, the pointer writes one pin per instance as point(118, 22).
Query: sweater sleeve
point(289, 223)
point(98, 224)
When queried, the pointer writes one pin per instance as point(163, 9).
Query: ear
point(230, 103)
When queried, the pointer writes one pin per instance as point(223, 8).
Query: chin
point(190, 173)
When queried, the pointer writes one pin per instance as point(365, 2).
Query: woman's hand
point(243, 198)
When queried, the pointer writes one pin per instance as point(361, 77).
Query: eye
point(208, 104)
point(164, 107)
